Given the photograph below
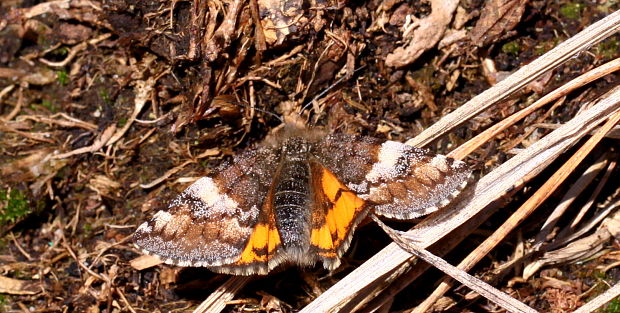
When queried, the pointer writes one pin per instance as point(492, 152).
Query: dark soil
point(66, 223)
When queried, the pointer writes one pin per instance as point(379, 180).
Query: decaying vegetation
point(110, 108)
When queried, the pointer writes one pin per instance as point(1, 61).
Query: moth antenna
point(332, 86)
point(245, 105)
point(270, 113)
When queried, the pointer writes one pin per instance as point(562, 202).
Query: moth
point(297, 198)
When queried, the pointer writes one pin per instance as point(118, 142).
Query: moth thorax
point(290, 202)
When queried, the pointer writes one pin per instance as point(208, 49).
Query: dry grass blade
point(565, 238)
point(613, 134)
point(571, 195)
point(217, 300)
point(143, 93)
point(595, 193)
point(563, 52)
point(471, 145)
point(581, 249)
point(530, 205)
point(98, 144)
point(503, 179)
point(170, 172)
point(475, 284)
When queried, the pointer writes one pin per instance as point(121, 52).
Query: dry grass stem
point(531, 204)
point(489, 133)
point(528, 73)
point(489, 292)
point(218, 299)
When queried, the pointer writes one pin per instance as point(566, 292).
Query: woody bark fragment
point(429, 31)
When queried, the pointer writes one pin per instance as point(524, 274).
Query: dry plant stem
point(489, 292)
point(74, 51)
point(70, 121)
point(613, 134)
point(564, 239)
point(18, 106)
point(508, 176)
point(170, 172)
point(599, 187)
point(217, 300)
point(575, 190)
point(583, 248)
point(480, 139)
point(77, 260)
point(447, 244)
point(5, 91)
point(259, 34)
point(525, 210)
point(98, 144)
point(529, 130)
point(600, 300)
point(143, 89)
point(124, 299)
point(563, 52)
point(21, 250)
point(50, 6)
point(43, 137)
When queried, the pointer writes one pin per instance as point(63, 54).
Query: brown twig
point(98, 144)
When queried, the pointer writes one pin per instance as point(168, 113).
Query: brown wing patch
point(201, 227)
point(337, 213)
point(407, 182)
point(211, 222)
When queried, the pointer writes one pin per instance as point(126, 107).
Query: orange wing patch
point(342, 209)
point(261, 246)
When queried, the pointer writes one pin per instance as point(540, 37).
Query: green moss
point(62, 77)
point(599, 275)
point(121, 122)
point(62, 51)
point(49, 105)
point(572, 10)
point(544, 46)
point(612, 307)
point(609, 48)
point(105, 96)
point(14, 206)
point(511, 48)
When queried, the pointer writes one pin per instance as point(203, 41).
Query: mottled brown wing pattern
point(397, 180)
point(246, 218)
point(210, 223)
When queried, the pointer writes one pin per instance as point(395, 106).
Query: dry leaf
point(18, 287)
point(429, 31)
point(497, 18)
